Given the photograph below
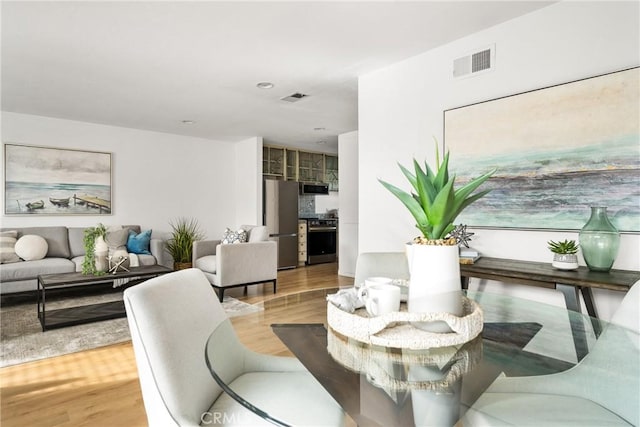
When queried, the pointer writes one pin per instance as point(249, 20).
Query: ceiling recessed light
point(187, 122)
point(318, 129)
point(321, 142)
point(265, 85)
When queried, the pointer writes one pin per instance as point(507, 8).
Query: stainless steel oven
point(321, 240)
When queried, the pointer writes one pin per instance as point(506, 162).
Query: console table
point(93, 312)
point(543, 275)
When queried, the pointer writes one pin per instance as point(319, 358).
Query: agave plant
point(434, 202)
point(566, 247)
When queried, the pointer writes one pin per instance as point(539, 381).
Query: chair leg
point(245, 290)
point(221, 294)
point(274, 286)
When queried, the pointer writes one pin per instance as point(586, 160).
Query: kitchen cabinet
point(331, 171)
point(292, 165)
point(273, 162)
point(311, 167)
point(297, 165)
point(302, 242)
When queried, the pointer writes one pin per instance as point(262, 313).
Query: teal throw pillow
point(139, 243)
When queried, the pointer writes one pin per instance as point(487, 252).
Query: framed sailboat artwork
point(56, 181)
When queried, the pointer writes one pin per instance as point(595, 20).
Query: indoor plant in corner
point(433, 257)
point(564, 254)
point(183, 233)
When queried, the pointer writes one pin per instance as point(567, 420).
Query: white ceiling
point(151, 65)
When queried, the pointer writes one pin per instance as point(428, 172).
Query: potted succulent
point(95, 251)
point(433, 257)
point(564, 254)
point(183, 233)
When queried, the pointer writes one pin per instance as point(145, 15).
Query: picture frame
point(559, 150)
point(56, 181)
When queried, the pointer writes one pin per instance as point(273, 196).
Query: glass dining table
point(532, 364)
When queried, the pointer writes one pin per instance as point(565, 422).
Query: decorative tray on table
point(395, 329)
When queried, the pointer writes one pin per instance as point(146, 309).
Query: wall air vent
point(295, 97)
point(480, 61)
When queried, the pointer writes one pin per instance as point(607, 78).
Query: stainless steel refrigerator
point(280, 212)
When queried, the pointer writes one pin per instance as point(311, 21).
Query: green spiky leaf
point(435, 203)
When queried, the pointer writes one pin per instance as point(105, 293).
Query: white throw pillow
point(8, 241)
point(257, 233)
point(31, 247)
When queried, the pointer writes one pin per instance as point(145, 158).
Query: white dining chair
point(386, 264)
point(171, 318)
point(602, 390)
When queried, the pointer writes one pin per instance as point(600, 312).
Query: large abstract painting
point(55, 181)
point(558, 150)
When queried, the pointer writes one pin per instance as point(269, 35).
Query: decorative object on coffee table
point(599, 240)
point(95, 251)
point(118, 262)
point(184, 232)
point(564, 254)
point(433, 257)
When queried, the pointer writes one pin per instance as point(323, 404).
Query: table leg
point(587, 295)
point(41, 299)
point(571, 296)
point(572, 301)
point(588, 301)
point(464, 281)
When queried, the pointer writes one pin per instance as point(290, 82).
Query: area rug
point(22, 339)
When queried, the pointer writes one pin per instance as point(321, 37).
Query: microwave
point(317, 189)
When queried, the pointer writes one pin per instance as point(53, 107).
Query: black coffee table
point(93, 312)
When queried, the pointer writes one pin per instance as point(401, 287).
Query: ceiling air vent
point(477, 62)
point(294, 97)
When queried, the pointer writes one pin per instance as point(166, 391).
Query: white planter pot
point(435, 283)
point(101, 250)
point(565, 261)
point(100, 245)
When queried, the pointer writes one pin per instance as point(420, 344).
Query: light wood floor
point(100, 387)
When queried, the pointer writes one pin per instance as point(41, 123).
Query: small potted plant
point(564, 254)
point(183, 233)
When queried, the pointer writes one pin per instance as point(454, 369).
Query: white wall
point(248, 182)
point(327, 202)
point(156, 177)
point(348, 198)
point(401, 108)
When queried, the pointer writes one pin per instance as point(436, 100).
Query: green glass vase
point(599, 240)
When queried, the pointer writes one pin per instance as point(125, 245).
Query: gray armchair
point(238, 264)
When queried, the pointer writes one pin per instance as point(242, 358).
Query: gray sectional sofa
point(64, 255)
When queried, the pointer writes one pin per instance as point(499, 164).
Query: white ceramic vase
point(101, 250)
point(435, 285)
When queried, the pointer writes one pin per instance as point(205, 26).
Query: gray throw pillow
point(117, 240)
point(8, 241)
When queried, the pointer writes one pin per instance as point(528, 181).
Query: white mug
point(380, 298)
